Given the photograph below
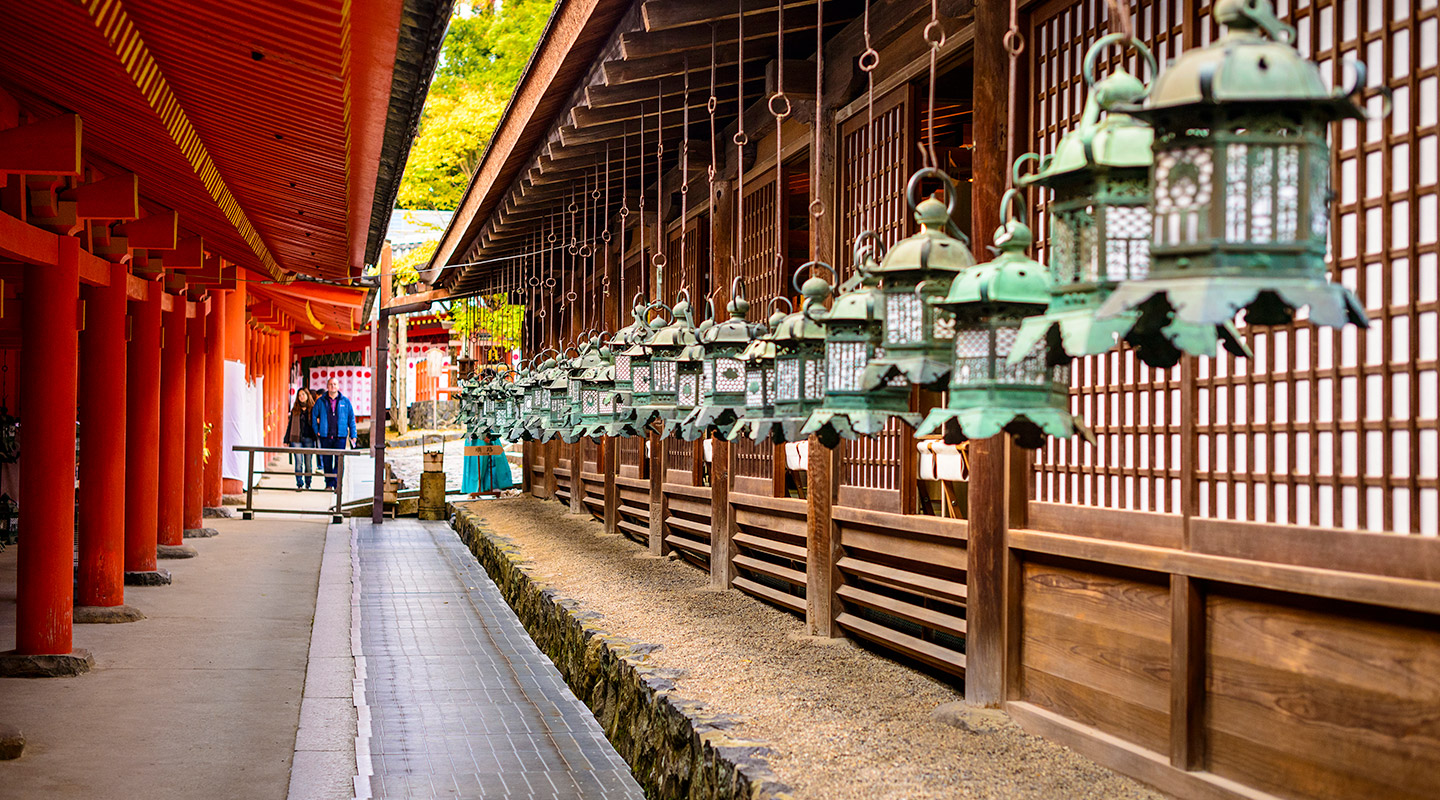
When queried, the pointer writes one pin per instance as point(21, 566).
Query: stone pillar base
point(104, 615)
point(220, 512)
point(159, 577)
point(14, 665)
point(199, 533)
point(176, 551)
point(232, 500)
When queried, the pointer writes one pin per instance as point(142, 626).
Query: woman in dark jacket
point(301, 433)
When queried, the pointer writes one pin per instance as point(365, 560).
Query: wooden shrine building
point(1233, 593)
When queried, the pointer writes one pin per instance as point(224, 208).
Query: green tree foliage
point(485, 52)
point(491, 315)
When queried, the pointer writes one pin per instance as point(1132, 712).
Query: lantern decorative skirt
point(759, 360)
point(854, 330)
point(919, 334)
point(988, 394)
point(626, 345)
point(1241, 185)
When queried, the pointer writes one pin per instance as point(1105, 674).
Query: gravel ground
point(842, 722)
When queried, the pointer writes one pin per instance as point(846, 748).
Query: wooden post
point(657, 495)
point(194, 422)
point(577, 481)
point(215, 333)
point(380, 357)
point(552, 457)
point(822, 545)
point(722, 544)
point(100, 576)
point(985, 640)
point(142, 433)
point(609, 465)
point(1187, 673)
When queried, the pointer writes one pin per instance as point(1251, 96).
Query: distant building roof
point(408, 229)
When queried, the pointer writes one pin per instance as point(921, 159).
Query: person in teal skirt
point(485, 474)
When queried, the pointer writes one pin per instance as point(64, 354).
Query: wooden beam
point(600, 95)
point(645, 44)
point(155, 232)
point(188, 253)
point(113, 198)
point(649, 70)
point(49, 146)
point(662, 15)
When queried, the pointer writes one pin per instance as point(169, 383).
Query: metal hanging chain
point(817, 205)
point(658, 258)
point(780, 109)
point(684, 166)
point(737, 257)
point(710, 105)
point(934, 35)
point(605, 234)
point(1014, 43)
point(640, 222)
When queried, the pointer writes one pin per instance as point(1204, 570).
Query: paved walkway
point(459, 701)
point(199, 700)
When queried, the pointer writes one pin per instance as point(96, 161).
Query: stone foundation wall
point(676, 749)
point(423, 415)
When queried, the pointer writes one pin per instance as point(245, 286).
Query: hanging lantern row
point(1175, 207)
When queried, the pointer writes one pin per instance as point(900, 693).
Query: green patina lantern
point(587, 355)
point(640, 362)
point(689, 368)
point(557, 388)
point(1100, 224)
point(525, 388)
point(471, 413)
point(1241, 185)
point(666, 349)
point(854, 333)
point(625, 345)
point(799, 383)
point(722, 373)
point(535, 425)
point(759, 360)
point(1029, 399)
point(597, 383)
point(918, 334)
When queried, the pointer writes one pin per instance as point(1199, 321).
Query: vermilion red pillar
point(48, 377)
point(172, 432)
point(142, 441)
point(194, 420)
point(102, 446)
point(215, 333)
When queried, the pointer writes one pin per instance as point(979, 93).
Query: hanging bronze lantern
point(597, 385)
point(722, 373)
point(538, 420)
point(919, 334)
point(1029, 399)
point(625, 345)
point(1241, 185)
point(666, 348)
point(640, 363)
point(759, 360)
point(1099, 224)
point(799, 342)
point(526, 388)
point(587, 357)
point(470, 414)
point(854, 333)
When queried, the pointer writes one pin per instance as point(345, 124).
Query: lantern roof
point(1107, 139)
point(681, 330)
point(1010, 278)
point(801, 324)
point(931, 248)
point(1255, 62)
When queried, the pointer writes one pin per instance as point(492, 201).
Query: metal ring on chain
point(741, 138)
point(817, 208)
point(605, 236)
point(570, 296)
point(572, 208)
point(550, 283)
point(534, 281)
point(624, 212)
point(869, 60)
point(584, 250)
point(934, 34)
point(595, 195)
point(1013, 42)
point(779, 114)
point(658, 260)
point(711, 104)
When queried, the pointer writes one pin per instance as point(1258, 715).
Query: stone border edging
point(675, 748)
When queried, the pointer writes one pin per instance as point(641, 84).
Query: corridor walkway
point(459, 700)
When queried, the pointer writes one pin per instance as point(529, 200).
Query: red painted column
point(215, 333)
point(172, 432)
point(194, 419)
point(142, 434)
point(48, 378)
point(102, 445)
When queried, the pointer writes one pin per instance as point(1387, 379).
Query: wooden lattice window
point(763, 281)
point(1323, 427)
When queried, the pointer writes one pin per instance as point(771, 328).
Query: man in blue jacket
point(334, 421)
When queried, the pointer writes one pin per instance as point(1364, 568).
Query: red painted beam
point(113, 198)
point(156, 232)
point(46, 147)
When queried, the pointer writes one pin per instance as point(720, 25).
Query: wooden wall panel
point(1095, 647)
point(1322, 699)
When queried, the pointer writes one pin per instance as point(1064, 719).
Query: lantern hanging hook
point(803, 270)
point(952, 198)
point(1092, 58)
point(868, 242)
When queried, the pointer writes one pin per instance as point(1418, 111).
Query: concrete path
point(458, 700)
point(200, 700)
